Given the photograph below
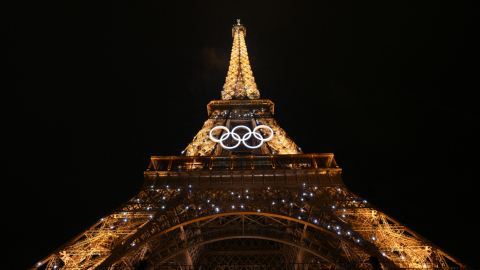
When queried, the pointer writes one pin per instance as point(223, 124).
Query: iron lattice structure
point(267, 207)
point(240, 83)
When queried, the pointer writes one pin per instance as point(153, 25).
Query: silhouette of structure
point(243, 195)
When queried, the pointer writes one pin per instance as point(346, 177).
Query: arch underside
point(246, 240)
point(248, 252)
point(173, 226)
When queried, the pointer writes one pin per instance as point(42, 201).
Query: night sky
point(93, 89)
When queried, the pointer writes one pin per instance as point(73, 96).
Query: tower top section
point(240, 83)
point(238, 27)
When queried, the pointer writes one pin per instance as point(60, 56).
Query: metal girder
point(241, 252)
point(127, 247)
point(331, 215)
point(219, 236)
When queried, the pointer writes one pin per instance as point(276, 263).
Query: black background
point(93, 89)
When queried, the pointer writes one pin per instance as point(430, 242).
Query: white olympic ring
point(236, 137)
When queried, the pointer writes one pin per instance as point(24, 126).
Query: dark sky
point(93, 89)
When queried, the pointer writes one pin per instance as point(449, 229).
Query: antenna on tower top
point(238, 21)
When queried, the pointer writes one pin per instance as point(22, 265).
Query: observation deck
point(253, 170)
point(238, 104)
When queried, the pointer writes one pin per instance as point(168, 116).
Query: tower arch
point(184, 229)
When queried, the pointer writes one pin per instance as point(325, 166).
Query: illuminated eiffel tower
point(243, 195)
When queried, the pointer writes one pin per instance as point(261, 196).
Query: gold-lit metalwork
point(273, 207)
point(232, 113)
point(240, 83)
point(281, 144)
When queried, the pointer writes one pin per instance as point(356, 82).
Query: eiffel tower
point(243, 195)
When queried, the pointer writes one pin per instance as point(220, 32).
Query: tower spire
point(240, 83)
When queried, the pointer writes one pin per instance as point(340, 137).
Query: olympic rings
point(236, 137)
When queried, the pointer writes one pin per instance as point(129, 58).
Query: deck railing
point(252, 162)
